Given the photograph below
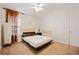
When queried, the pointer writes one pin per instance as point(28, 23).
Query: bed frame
point(25, 34)
point(40, 47)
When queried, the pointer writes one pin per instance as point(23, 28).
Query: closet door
point(7, 34)
point(0, 28)
point(74, 26)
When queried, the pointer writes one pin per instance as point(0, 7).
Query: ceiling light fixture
point(38, 6)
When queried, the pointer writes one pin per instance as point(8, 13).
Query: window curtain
point(11, 18)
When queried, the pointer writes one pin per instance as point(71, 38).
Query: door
point(74, 32)
point(74, 25)
point(0, 28)
point(74, 29)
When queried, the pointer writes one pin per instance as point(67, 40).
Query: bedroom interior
point(39, 29)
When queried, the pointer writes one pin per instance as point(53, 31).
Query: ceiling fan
point(38, 6)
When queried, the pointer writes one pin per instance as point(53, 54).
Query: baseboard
point(67, 43)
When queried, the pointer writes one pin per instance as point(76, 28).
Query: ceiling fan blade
point(38, 7)
point(41, 5)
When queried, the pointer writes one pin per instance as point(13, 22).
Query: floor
point(55, 48)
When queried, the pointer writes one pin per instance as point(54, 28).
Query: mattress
point(37, 41)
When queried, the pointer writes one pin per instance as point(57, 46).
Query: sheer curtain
point(11, 20)
point(19, 27)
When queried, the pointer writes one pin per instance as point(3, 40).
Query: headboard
point(28, 34)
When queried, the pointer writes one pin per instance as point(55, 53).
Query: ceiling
point(26, 7)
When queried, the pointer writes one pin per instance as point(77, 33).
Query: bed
point(37, 40)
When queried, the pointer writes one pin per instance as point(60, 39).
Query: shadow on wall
point(47, 33)
point(28, 29)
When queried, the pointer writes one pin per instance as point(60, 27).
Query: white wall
point(28, 23)
point(58, 23)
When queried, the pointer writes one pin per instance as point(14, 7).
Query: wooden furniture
point(39, 33)
point(28, 34)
